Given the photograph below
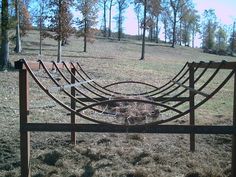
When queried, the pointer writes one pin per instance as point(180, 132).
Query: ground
point(118, 155)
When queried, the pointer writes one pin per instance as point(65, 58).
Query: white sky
point(225, 12)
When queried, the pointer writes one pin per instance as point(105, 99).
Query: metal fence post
point(191, 104)
point(73, 105)
point(24, 136)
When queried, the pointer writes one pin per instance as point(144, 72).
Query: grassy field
point(118, 155)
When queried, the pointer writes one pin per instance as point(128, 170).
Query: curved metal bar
point(186, 64)
point(141, 126)
point(56, 100)
point(213, 75)
point(111, 92)
point(68, 94)
point(205, 84)
point(130, 82)
point(196, 80)
point(144, 93)
point(197, 105)
point(108, 94)
point(106, 86)
point(63, 76)
point(174, 89)
point(129, 100)
point(83, 84)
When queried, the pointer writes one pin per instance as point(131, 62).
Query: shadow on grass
point(33, 43)
point(54, 50)
point(136, 42)
point(71, 56)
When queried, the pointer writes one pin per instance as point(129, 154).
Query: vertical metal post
point(233, 170)
point(24, 136)
point(73, 105)
point(191, 104)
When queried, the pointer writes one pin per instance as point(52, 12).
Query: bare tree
point(111, 3)
point(88, 8)
point(154, 9)
point(176, 6)
point(18, 47)
point(122, 5)
point(190, 23)
point(209, 26)
point(60, 23)
point(165, 21)
point(233, 40)
point(221, 38)
point(41, 18)
point(4, 58)
point(144, 29)
point(137, 10)
point(103, 3)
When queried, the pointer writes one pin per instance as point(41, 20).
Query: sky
point(225, 11)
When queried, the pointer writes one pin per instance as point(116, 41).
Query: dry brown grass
point(118, 155)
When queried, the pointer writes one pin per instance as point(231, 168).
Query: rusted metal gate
point(169, 97)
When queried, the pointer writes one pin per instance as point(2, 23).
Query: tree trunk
point(104, 19)
point(59, 35)
point(85, 35)
point(5, 41)
point(232, 45)
point(119, 24)
point(174, 30)
point(40, 34)
point(180, 33)
point(157, 29)
point(138, 27)
point(59, 51)
point(193, 36)
point(18, 47)
point(109, 34)
point(144, 30)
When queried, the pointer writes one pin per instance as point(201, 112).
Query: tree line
point(56, 19)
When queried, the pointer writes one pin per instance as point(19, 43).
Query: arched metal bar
point(68, 94)
point(108, 94)
point(82, 84)
point(205, 84)
point(129, 100)
point(111, 92)
point(131, 82)
point(197, 105)
point(141, 126)
point(144, 93)
point(64, 77)
point(174, 89)
point(56, 100)
point(195, 81)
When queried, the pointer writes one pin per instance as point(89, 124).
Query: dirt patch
point(133, 112)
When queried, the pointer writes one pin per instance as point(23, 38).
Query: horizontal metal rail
point(37, 65)
point(102, 128)
point(214, 65)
